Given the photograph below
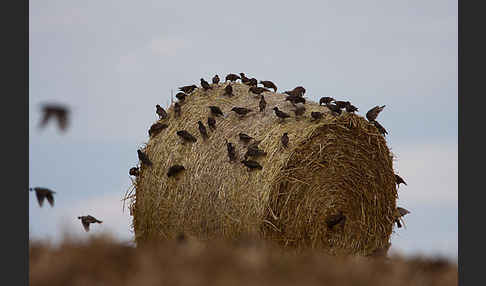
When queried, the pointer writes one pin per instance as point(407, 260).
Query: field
point(101, 261)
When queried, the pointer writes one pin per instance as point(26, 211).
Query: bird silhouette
point(325, 100)
point(244, 79)
point(43, 193)
point(202, 130)
point(280, 114)
point(216, 111)
point(257, 90)
point(350, 108)
point(160, 112)
point(269, 84)
point(294, 99)
point(186, 136)
point(262, 104)
point(144, 158)
point(87, 220)
point(399, 180)
point(242, 111)
point(244, 137)
point(285, 140)
point(212, 123)
point(174, 170)
point(254, 152)
point(400, 212)
point(372, 114)
point(134, 171)
point(188, 88)
point(341, 104)
point(205, 85)
point(56, 111)
point(216, 79)
point(181, 96)
point(380, 128)
point(231, 151)
point(253, 82)
point(335, 110)
point(228, 90)
point(232, 77)
point(156, 128)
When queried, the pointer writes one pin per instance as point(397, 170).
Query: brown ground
point(104, 262)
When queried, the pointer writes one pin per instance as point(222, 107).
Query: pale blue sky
point(112, 61)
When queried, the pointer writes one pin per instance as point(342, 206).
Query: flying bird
point(205, 85)
point(186, 136)
point(269, 84)
point(280, 114)
point(299, 110)
point(231, 151)
point(241, 110)
point(251, 164)
point(325, 100)
point(43, 193)
point(156, 128)
point(87, 220)
point(188, 88)
point(262, 104)
point(380, 128)
point(144, 158)
point(181, 96)
point(216, 111)
point(399, 180)
point(335, 219)
point(399, 213)
point(174, 170)
point(232, 77)
point(228, 90)
point(177, 109)
point(202, 130)
point(58, 112)
point(216, 79)
point(373, 113)
point(244, 79)
point(316, 115)
point(257, 89)
point(244, 137)
point(134, 171)
point(211, 123)
point(285, 140)
point(160, 112)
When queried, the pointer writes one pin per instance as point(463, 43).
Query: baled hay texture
point(335, 164)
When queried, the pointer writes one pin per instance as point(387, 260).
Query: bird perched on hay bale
point(174, 170)
point(186, 136)
point(181, 96)
point(205, 85)
point(43, 193)
point(134, 171)
point(202, 130)
point(216, 79)
point(372, 114)
point(337, 163)
point(188, 88)
point(262, 104)
point(325, 100)
point(144, 158)
point(228, 90)
point(400, 212)
point(232, 77)
point(156, 128)
point(280, 114)
point(216, 111)
point(399, 180)
point(212, 123)
point(177, 109)
point(87, 220)
point(160, 112)
point(269, 84)
point(242, 111)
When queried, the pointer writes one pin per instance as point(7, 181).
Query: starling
point(177, 109)
point(174, 170)
point(299, 91)
point(341, 104)
point(188, 88)
point(399, 180)
point(211, 123)
point(144, 158)
point(156, 128)
point(336, 219)
point(373, 113)
point(400, 212)
point(59, 112)
point(202, 130)
point(134, 171)
point(244, 79)
point(334, 108)
point(350, 108)
point(285, 140)
point(241, 110)
point(257, 89)
point(43, 193)
point(232, 77)
point(244, 137)
point(316, 115)
point(254, 152)
point(216, 111)
point(186, 136)
point(380, 128)
point(205, 85)
point(269, 84)
point(216, 79)
point(160, 112)
point(299, 110)
point(294, 99)
point(262, 103)
point(251, 164)
point(181, 96)
point(325, 100)
point(231, 151)
point(86, 220)
point(280, 114)
point(228, 90)
point(253, 82)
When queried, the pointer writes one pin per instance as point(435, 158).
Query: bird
point(228, 90)
point(299, 110)
point(186, 136)
point(144, 158)
point(177, 109)
point(216, 111)
point(231, 151)
point(254, 152)
point(299, 91)
point(399, 180)
point(188, 88)
point(262, 104)
point(202, 130)
point(316, 115)
point(257, 89)
point(399, 213)
point(211, 123)
point(241, 110)
point(285, 140)
point(280, 114)
point(59, 112)
point(134, 171)
point(232, 77)
point(334, 108)
point(373, 113)
point(251, 164)
point(335, 219)
point(253, 82)
point(156, 128)
point(341, 104)
point(269, 84)
point(160, 112)
point(350, 108)
point(380, 128)
point(244, 137)
point(216, 79)
point(325, 99)
point(244, 79)
point(43, 193)
point(294, 99)
point(205, 85)
point(255, 144)
point(181, 96)
point(174, 170)
point(86, 220)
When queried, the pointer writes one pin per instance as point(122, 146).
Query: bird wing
point(50, 199)
point(85, 225)
point(62, 120)
point(45, 118)
point(40, 198)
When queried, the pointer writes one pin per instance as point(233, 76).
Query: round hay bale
point(338, 164)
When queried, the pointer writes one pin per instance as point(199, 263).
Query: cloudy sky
point(112, 61)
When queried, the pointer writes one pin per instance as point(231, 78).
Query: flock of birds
point(294, 96)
